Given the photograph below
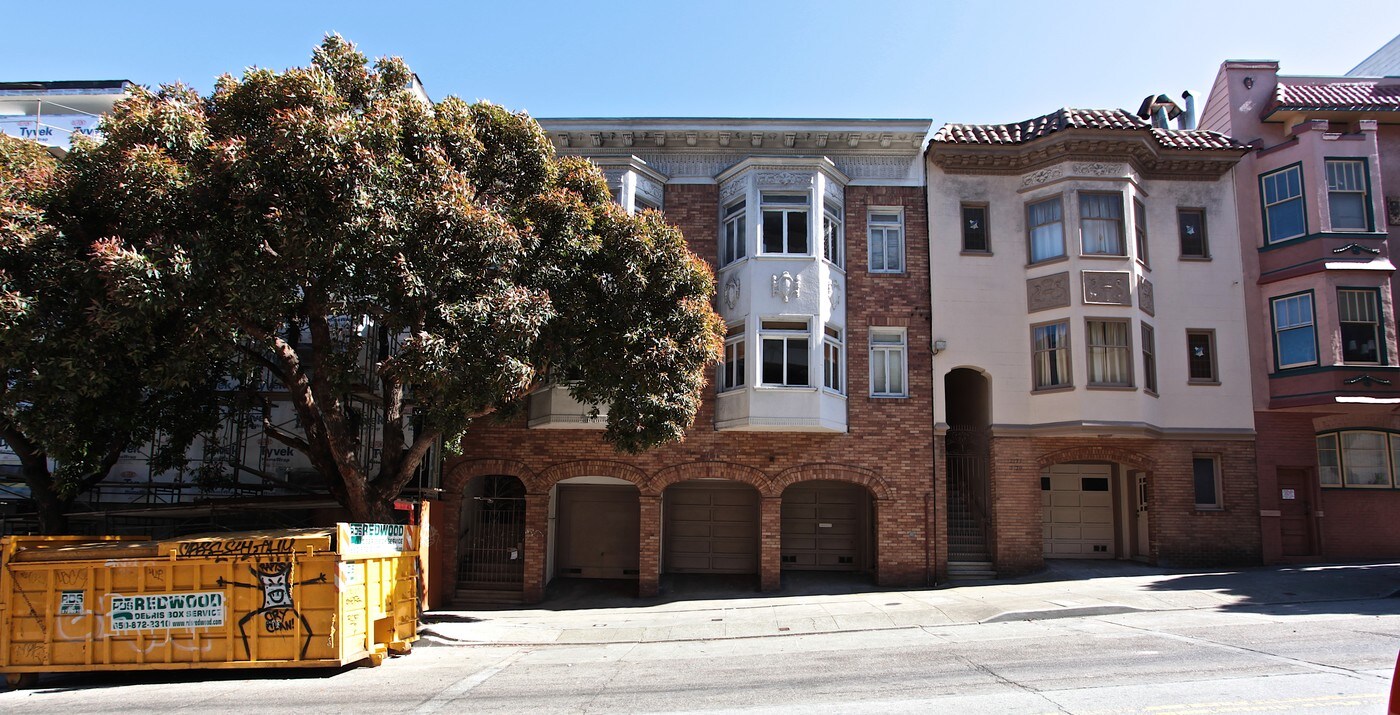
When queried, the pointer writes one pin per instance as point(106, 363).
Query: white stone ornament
point(787, 285)
point(732, 289)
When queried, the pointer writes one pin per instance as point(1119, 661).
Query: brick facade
point(888, 448)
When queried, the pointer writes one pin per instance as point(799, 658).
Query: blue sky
point(965, 62)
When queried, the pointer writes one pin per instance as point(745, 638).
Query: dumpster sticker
point(167, 611)
point(236, 549)
point(70, 603)
point(278, 611)
point(374, 538)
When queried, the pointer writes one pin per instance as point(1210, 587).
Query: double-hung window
point(786, 354)
point(1101, 224)
point(888, 370)
point(1050, 355)
point(833, 369)
point(1045, 224)
point(1282, 192)
point(833, 234)
point(732, 371)
point(1359, 316)
point(731, 245)
point(1140, 230)
point(1191, 229)
point(785, 223)
point(1110, 356)
point(1346, 195)
point(1356, 458)
point(974, 229)
point(885, 228)
point(1200, 357)
point(1205, 476)
point(1295, 334)
point(1149, 358)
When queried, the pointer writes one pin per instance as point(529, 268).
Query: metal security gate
point(492, 544)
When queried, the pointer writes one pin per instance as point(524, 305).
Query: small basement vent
point(789, 559)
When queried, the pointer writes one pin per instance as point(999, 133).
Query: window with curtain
point(1140, 230)
point(1050, 355)
point(1101, 224)
point(1110, 362)
point(1358, 459)
point(1045, 221)
point(1361, 325)
point(1149, 358)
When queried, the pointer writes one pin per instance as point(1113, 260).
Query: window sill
point(974, 253)
point(1203, 509)
point(1048, 390)
point(1144, 265)
point(1103, 256)
point(730, 391)
point(874, 398)
point(1113, 388)
point(785, 388)
point(1047, 262)
point(835, 266)
point(1299, 366)
point(886, 273)
point(1371, 487)
point(1207, 383)
point(1150, 393)
point(833, 393)
point(1196, 259)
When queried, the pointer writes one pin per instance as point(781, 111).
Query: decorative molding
point(650, 190)
point(787, 286)
point(833, 293)
point(1146, 301)
point(1047, 292)
point(1098, 168)
point(785, 178)
point(1140, 153)
point(834, 191)
point(1106, 287)
point(1046, 175)
point(737, 186)
point(732, 289)
point(1366, 380)
point(1356, 249)
point(876, 167)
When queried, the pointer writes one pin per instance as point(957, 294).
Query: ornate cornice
point(1087, 148)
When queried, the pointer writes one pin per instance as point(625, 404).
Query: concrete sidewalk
point(1066, 589)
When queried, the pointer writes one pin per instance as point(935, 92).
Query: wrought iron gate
point(492, 545)
point(967, 454)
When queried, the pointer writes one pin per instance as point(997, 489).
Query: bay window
point(785, 224)
point(786, 358)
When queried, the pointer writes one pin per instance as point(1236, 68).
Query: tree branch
point(412, 458)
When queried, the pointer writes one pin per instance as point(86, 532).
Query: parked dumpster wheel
point(21, 681)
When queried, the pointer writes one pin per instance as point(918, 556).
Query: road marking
point(463, 687)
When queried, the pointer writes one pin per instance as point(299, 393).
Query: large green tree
point(435, 260)
point(91, 365)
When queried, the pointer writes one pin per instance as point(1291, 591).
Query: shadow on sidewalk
point(1311, 589)
point(566, 594)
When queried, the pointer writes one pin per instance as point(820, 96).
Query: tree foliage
point(437, 260)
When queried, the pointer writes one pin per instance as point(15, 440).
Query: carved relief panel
point(1106, 287)
point(1047, 292)
point(1145, 299)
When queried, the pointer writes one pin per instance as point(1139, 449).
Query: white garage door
point(1077, 506)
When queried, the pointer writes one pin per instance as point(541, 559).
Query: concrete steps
point(970, 570)
point(467, 596)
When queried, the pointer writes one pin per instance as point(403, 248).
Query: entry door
point(824, 527)
point(1077, 511)
point(1295, 513)
point(599, 531)
point(711, 528)
point(1142, 498)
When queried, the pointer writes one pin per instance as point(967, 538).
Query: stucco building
point(1093, 379)
point(1318, 216)
point(814, 444)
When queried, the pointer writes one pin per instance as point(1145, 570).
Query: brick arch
point(1097, 453)
point(462, 472)
point(710, 470)
point(555, 473)
point(867, 478)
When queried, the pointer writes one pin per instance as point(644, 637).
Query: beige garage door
point(1078, 511)
point(599, 531)
point(824, 527)
point(711, 528)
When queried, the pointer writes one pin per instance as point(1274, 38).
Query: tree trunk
point(51, 509)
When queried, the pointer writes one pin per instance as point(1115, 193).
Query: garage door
point(824, 527)
point(598, 531)
point(711, 528)
point(1078, 511)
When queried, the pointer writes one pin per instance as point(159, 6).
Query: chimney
point(1187, 119)
point(1159, 117)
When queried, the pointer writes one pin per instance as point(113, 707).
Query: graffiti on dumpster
point(278, 611)
point(236, 549)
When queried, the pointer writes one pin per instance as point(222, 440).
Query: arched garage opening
point(827, 526)
point(710, 526)
point(597, 528)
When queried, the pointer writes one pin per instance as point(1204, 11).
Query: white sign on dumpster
point(167, 610)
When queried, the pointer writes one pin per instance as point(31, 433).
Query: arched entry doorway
point(492, 542)
point(827, 527)
point(967, 456)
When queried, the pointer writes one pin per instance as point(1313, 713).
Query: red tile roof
point(1336, 96)
point(1093, 119)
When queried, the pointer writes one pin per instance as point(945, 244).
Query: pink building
point(1316, 228)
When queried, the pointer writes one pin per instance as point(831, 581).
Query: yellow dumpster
point(286, 598)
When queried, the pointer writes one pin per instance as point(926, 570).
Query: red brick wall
point(1360, 524)
point(888, 448)
point(1180, 534)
